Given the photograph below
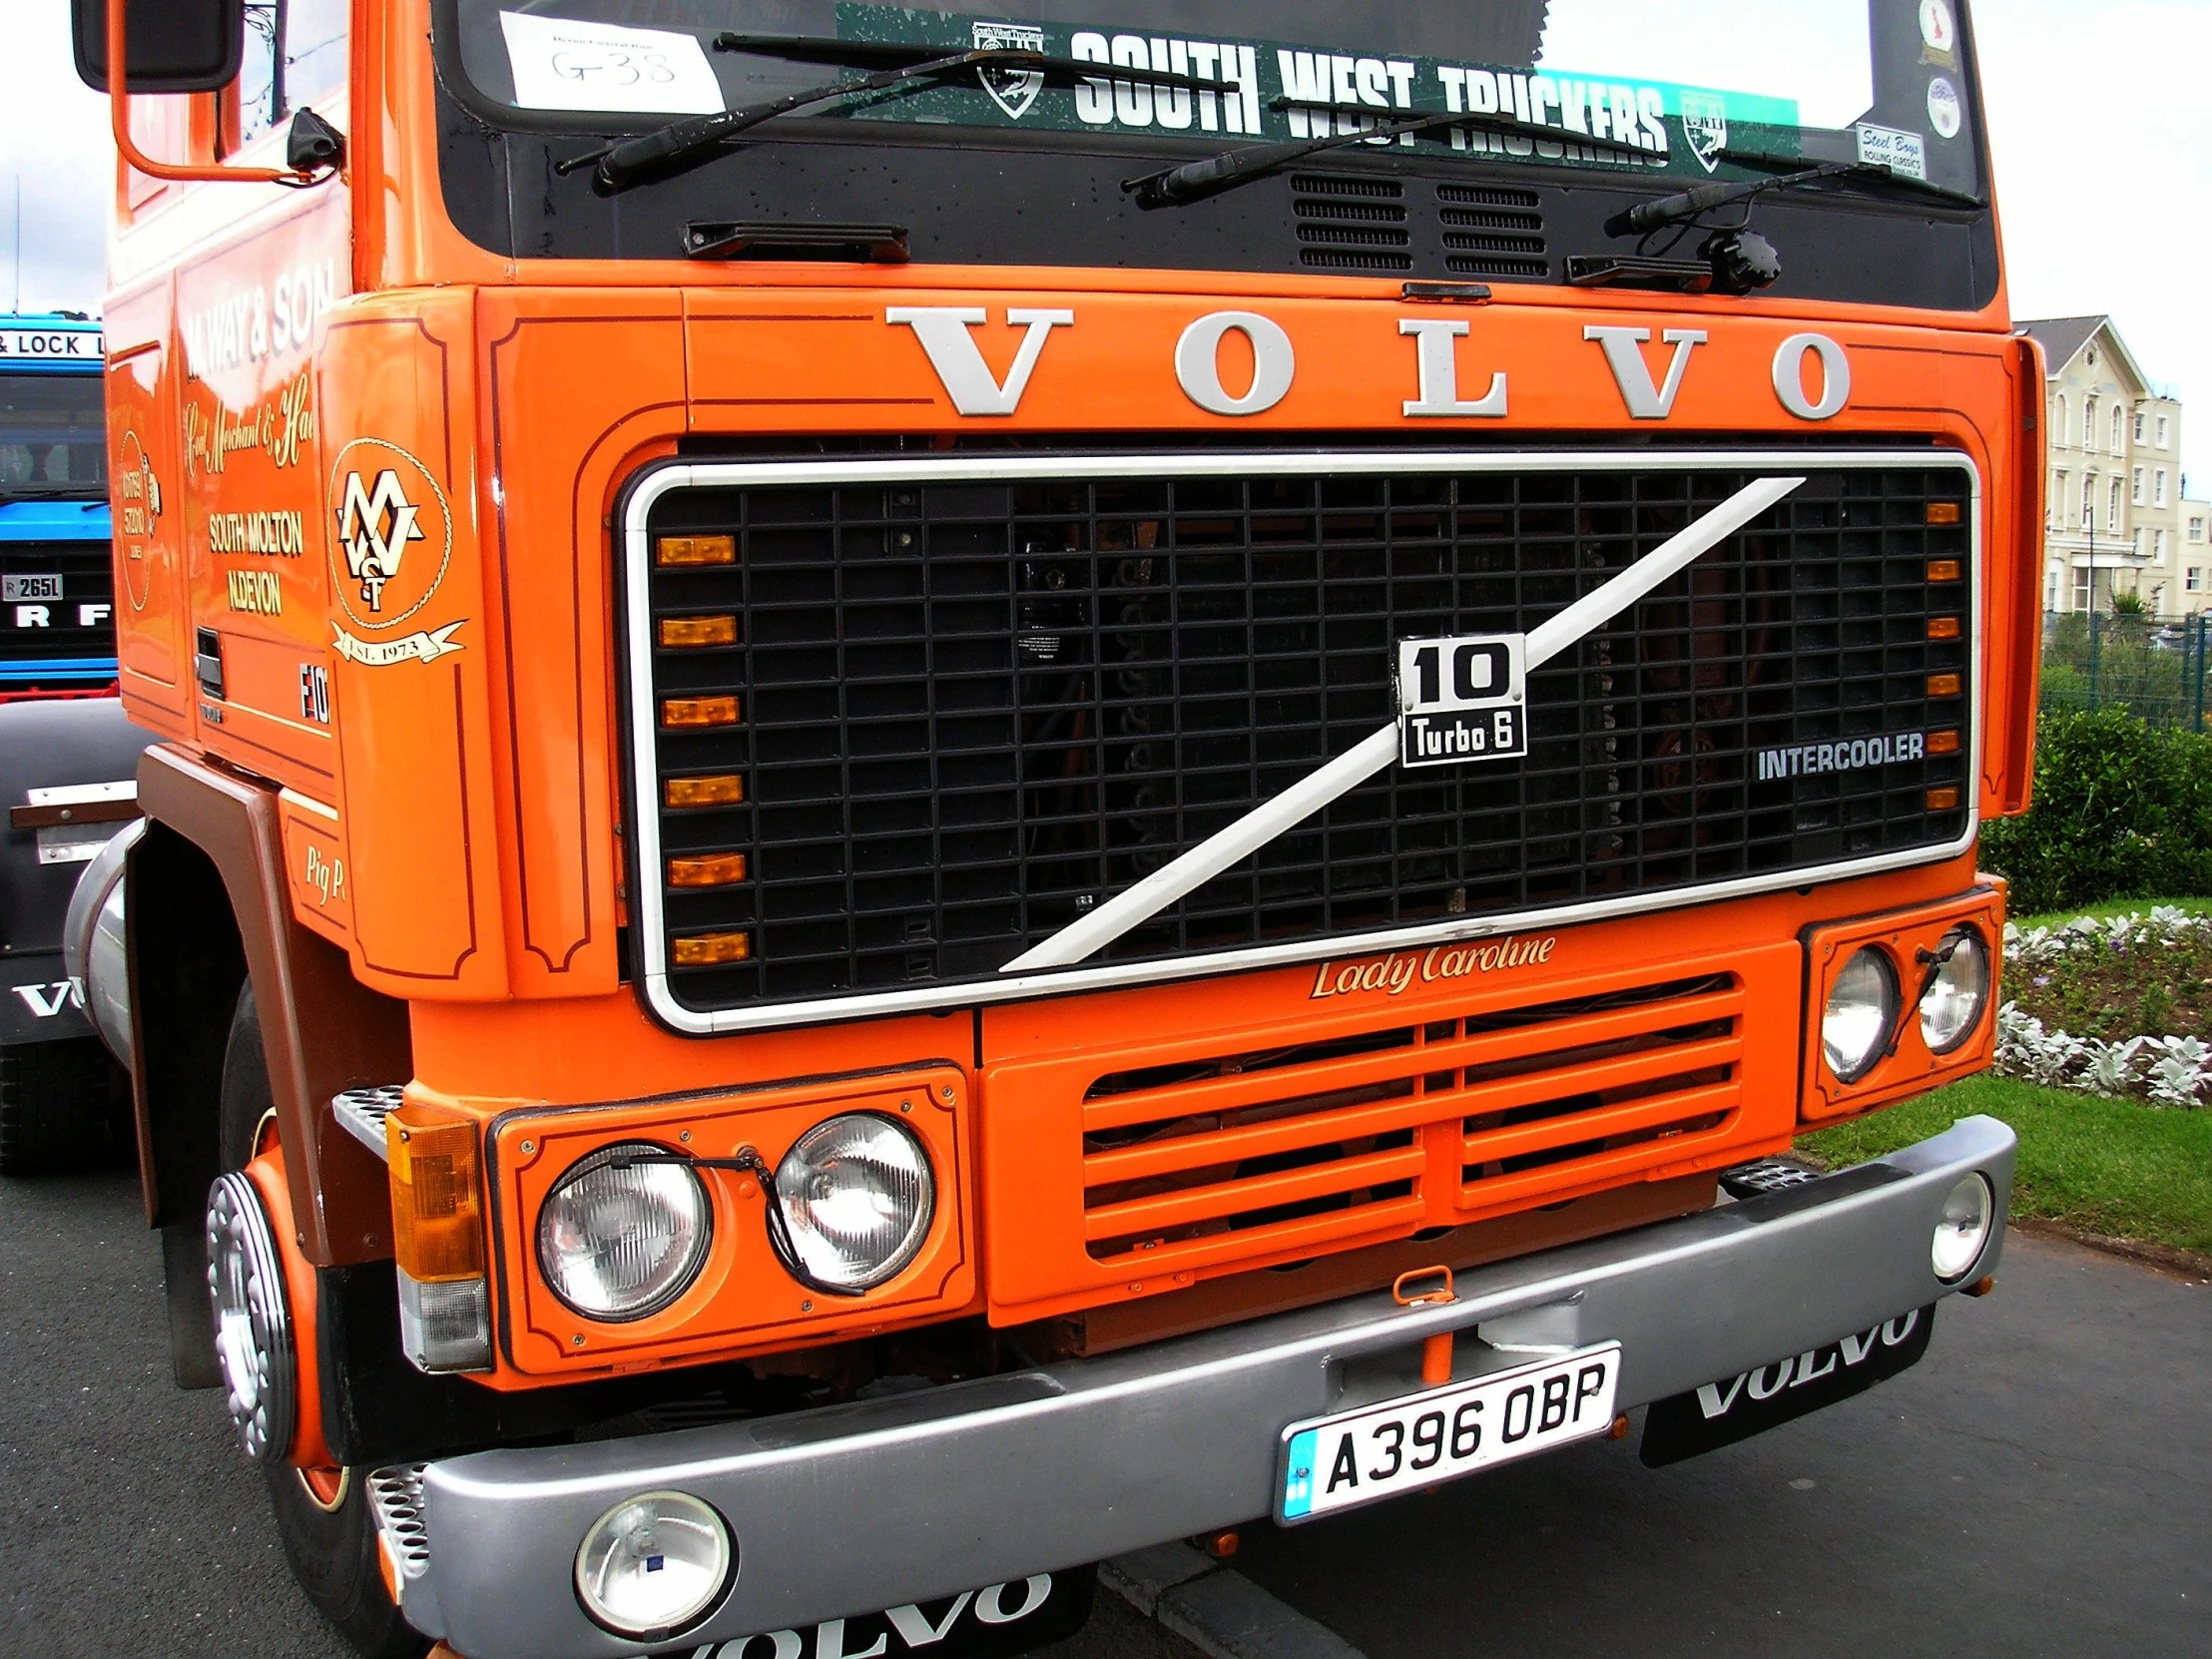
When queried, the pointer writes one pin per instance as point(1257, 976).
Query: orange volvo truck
point(937, 793)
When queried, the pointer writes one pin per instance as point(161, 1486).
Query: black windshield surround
point(981, 197)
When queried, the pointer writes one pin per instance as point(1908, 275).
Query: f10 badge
point(1462, 698)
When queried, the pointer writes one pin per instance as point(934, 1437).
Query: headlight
point(652, 1564)
point(1964, 1228)
point(619, 1244)
point(1953, 1002)
point(856, 1197)
point(1862, 1005)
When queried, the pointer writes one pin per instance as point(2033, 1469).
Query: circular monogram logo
point(394, 534)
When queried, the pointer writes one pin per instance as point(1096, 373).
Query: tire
point(63, 1105)
point(333, 1551)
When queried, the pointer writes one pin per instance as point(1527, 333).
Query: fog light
point(1964, 1230)
point(652, 1564)
point(1956, 990)
point(619, 1242)
point(1861, 1007)
point(854, 1197)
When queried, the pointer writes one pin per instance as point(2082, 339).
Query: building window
point(2159, 488)
point(2135, 489)
point(2196, 528)
point(2081, 588)
point(2089, 423)
point(2161, 431)
point(2138, 427)
point(2193, 579)
point(2157, 544)
point(2116, 413)
point(2058, 419)
point(2112, 510)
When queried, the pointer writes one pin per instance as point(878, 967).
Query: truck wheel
point(63, 1105)
point(323, 1518)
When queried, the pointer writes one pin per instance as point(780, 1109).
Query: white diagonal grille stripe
point(1183, 875)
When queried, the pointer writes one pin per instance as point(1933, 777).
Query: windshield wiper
point(618, 166)
point(1195, 181)
point(1687, 205)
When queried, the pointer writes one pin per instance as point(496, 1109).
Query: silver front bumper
point(852, 1509)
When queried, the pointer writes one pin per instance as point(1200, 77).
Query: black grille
point(78, 624)
point(1351, 224)
point(969, 712)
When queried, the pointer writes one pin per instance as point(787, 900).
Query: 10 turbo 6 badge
point(393, 544)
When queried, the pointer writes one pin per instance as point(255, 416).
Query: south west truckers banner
point(1678, 129)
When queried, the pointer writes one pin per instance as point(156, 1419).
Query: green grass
point(2115, 908)
point(2105, 1166)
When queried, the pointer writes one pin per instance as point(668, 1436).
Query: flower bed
point(2116, 1007)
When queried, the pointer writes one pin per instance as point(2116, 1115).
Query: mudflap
point(1720, 1413)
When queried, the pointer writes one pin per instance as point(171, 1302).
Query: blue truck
point(68, 758)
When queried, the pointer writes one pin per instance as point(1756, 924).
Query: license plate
point(13, 588)
point(1462, 698)
point(1402, 1446)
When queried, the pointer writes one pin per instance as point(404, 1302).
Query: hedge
point(2122, 810)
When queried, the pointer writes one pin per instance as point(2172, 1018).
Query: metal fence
point(2156, 668)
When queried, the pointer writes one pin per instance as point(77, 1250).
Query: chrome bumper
point(852, 1509)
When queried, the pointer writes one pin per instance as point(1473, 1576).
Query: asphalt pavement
point(2040, 1485)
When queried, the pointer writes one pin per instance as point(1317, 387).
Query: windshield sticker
point(1942, 108)
point(1900, 153)
point(1288, 93)
point(1938, 35)
point(560, 64)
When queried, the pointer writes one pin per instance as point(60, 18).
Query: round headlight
point(652, 1564)
point(619, 1244)
point(856, 1197)
point(1953, 1002)
point(1964, 1230)
point(1855, 1026)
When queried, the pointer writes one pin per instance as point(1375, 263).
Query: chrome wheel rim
point(253, 1322)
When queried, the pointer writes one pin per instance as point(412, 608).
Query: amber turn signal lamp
point(710, 949)
point(693, 713)
point(694, 550)
point(689, 633)
point(436, 1224)
point(1943, 685)
point(1942, 512)
point(1942, 627)
point(1942, 570)
point(1942, 801)
point(719, 789)
point(1942, 743)
point(712, 869)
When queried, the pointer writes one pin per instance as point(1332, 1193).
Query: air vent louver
point(1349, 224)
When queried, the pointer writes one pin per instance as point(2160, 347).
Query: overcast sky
point(2099, 115)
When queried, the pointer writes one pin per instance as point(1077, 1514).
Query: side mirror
point(174, 45)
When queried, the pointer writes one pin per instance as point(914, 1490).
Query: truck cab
point(938, 793)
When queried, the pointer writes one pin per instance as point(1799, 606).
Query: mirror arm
point(118, 114)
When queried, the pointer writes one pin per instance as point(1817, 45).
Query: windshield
point(1682, 83)
point(53, 435)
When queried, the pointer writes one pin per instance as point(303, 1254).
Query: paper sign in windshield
point(1905, 152)
point(560, 64)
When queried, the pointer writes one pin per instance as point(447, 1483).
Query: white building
point(2114, 520)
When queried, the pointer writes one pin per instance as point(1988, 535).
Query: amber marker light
point(1942, 512)
point(438, 1233)
point(710, 949)
point(1942, 801)
point(676, 551)
point(1942, 570)
point(708, 869)
point(1943, 685)
point(1942, 627)
point(718, 788)
point(689, 633)
point(696, 713)
point(1942, 743)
